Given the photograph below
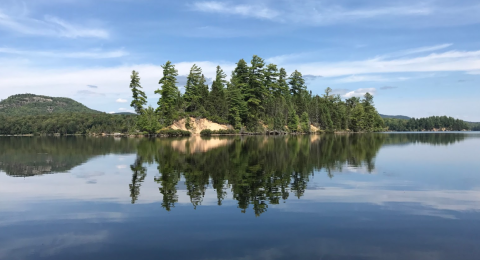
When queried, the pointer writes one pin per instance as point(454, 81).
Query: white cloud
point(360, 92)
point(94, 54)
point(121, 100)
point(48, 26)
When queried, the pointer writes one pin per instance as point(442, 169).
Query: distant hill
point(31, 105)
point(395, 117)
point(125, 113)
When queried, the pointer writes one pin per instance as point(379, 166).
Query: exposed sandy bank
point(197, 125)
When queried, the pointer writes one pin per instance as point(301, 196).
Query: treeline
point(256, 93)
point(68, 123)
point(440, 123)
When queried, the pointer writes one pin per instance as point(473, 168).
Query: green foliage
point(138, 96)
point(33, 105)
point(305, 123)
point(148, 121)
point(255, 92)
point(193, 96)
point(217, 105)
point(172, 132)
point(187, 123)
point(293, 120)
point(208, 132)
point(427, 124)
point(169, 94)
point(68, 123)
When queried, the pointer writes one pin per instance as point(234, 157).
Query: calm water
point(369, 196)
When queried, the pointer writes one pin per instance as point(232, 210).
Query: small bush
point(172, 132)
point(206, 132)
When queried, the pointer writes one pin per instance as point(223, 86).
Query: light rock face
point(199, 124)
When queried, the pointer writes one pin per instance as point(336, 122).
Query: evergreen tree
point(169, 93)
point(297, 83)
point(292, 120)
point(148, 121)
point(193, 94)
point(217, 100)
point(255, 92)
point(139, 97)
point(305, 123)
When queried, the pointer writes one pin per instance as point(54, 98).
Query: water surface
point(361, 196)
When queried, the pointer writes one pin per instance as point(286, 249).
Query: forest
point(440, 123)
point(257, 95)
point(68, 123)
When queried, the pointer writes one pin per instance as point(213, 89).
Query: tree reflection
point(139, 174)
point(259, 171)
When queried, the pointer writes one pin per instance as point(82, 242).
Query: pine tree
point(168, 94)
point(305, 123)
point(255, 92)
point(217, 99)
point(139, 97)
point(148, 121)
point(282, 83)
point(192, 95)
point(297, 83)
point(292, 120)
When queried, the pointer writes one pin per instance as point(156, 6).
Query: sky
point(417, 57)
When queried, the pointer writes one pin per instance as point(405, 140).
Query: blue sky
point(419, 58)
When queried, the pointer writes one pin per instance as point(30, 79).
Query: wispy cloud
point(416, 51)
point(323, 13)
point(309, 12)
point(89, 93)
point(468, 61)
point(92, 86)
point(257, 11)
point(121, 100)
point(48, 26)
point(388, 87)
point(94, 54)
point(368, 78)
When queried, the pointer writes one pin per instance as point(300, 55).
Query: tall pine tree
point(138, 96)
point(167, 104)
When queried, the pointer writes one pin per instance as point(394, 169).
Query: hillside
point(31, 105)
point(395, 117)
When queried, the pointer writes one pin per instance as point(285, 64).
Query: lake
point(358, 196)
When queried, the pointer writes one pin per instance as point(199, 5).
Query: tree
point(305, 123)
point(148, 121)
point(292, 120)
point(297, 83)
point(255, 92)
point(193, 94)
point(139, 97)
point(168, 94)
point(217, 101)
